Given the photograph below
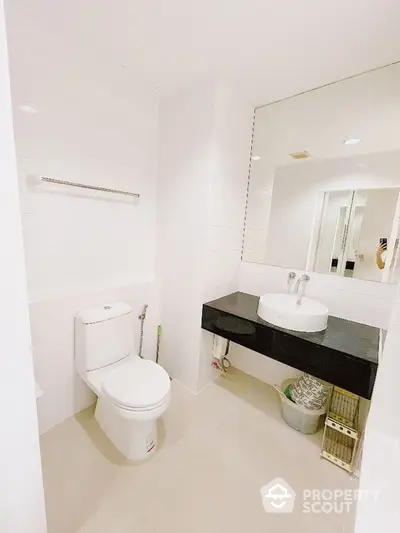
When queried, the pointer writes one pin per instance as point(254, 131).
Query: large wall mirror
point(325, 180)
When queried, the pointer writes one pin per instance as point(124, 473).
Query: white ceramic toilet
point(132, 392)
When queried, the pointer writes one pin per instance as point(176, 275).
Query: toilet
point(132, 392)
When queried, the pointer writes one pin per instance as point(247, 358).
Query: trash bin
point(296, 416)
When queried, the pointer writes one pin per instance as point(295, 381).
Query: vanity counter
point(345, 354)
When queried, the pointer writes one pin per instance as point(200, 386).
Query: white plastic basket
point(297, 416)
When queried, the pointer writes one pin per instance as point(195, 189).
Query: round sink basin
point(282, 310)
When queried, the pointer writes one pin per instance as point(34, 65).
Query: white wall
point(258, 209)
point(203, 164)
point(381, 457)
point(376, 223)
point(227, 196)
point(227, 192)
point(186, 139)
point(94, 124)
point(21, 486)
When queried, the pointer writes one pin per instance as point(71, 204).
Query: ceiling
point(269, 49)
point(365, 107)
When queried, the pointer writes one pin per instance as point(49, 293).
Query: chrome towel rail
point(91, 187)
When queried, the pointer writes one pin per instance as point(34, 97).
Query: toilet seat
point(137, 385)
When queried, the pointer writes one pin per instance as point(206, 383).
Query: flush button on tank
point(107, 307)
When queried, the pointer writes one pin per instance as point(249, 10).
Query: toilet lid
point(137, 384)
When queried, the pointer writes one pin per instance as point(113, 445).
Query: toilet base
point(134, 434)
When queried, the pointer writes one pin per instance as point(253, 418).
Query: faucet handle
point(301, 287)
point(290, 281)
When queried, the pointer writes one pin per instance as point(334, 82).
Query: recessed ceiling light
point(256, 158)
point(29, 109)
point(352, 141)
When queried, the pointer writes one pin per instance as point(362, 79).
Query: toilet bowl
point(132, 392)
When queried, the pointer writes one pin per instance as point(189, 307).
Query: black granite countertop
point(351, 338)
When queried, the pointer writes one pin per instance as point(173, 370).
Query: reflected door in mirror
point(356, 233)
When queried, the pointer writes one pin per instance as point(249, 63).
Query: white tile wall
point(258, 210)
point(185, 169)
point(255, 244)
point(259, 366)
point(381, 457)
point(233, 128)
point(204, 154)
point(22, 506)
point(258, 207)
point(228, 189)
point(182, 274)
point(94, 124)
point(76, 239)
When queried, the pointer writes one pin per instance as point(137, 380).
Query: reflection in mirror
point(325, 180)
point(353, 233)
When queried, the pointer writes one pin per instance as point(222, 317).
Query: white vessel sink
point(282, 310)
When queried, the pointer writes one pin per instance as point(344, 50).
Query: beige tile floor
point(217, 450)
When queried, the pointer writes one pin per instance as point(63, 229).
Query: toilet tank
point(103, 335)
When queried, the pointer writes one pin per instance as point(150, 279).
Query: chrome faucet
point(300, 287)
point(290, 280)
